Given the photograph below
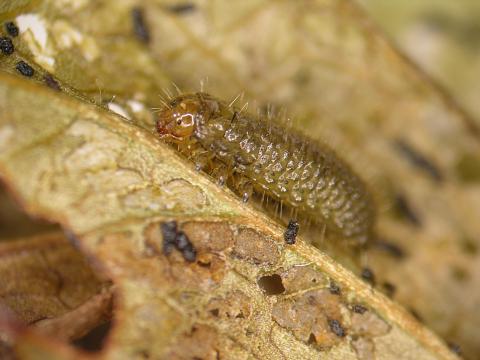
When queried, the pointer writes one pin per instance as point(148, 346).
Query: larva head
point(179, 120)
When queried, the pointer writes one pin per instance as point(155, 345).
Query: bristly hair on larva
point(254, 153)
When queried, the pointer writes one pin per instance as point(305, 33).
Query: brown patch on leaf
point(153, 240)
point(311, 314)
point(255, 247)
point(301, 278)
point(199, 343)
point(205, 236)
point(209, 236)
point(369, 324)
point(172, 270)
point(234, 305)
point(206, 271)
point(364, 348)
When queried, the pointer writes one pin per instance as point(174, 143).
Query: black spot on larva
point(336, 328)
point(405, 210)
point(169, 232)
point(368, 275)
point(418, 160)
point(271, 284)
point(24, 69)
point(359, 309)
point(140, 27)
point(390, 248)
point(11, 28)
point(182, 8)
point(51, 82)
point(455, 348)
point(334, 288)
point(389, 289)
point(290, 234)
point(311, 339)
point(6, 46)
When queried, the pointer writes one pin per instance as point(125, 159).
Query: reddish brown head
point(178, 121)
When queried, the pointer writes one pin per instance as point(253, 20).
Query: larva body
point(285, 165)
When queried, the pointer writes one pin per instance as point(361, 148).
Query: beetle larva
point(252, 153)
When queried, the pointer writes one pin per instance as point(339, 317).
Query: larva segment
point(287, 166)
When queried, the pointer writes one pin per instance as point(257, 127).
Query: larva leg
point(221, 173)
point(201, 160)
point(244, 187)
point(322, 235)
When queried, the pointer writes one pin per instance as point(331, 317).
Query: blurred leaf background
point(442, 36)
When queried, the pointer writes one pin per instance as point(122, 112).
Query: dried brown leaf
point(166, 295)
point(44, 277)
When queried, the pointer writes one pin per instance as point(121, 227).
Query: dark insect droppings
point(182, 241)
point(24, 69)
point(336, 328)
point(6, 46)
point(404, 209)
point(290, 234)
point(469, 247)
point(368, 275)
point(51, 82)
point(390, 248)
point(11, 29)
point(182, 8)
point(455, 348)
point(359, 309)
point(418, 160)
point(389, 288)
point(172, 238)
point(334, 288)
point(415, 314)
point(169, 232)
point(140, 27)
point(183, 244)
point(189, 253)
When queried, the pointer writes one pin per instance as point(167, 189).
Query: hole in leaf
point(271, 284)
